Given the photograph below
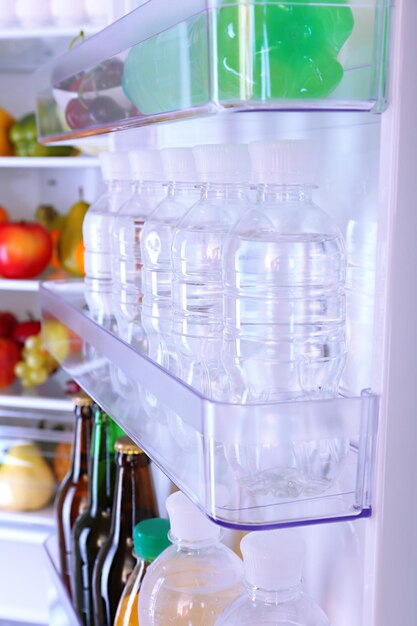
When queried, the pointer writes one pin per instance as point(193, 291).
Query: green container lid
point(150, 538)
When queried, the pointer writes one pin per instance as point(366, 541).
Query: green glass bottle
point(92, 528)
point(134, 501)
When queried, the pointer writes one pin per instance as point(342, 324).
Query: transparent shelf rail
point(61, 609)
point(167, 61)
point(246, 466)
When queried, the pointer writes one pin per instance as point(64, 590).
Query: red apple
point(25, 249)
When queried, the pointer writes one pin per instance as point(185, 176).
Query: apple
point(9, 356)
point(25, 249)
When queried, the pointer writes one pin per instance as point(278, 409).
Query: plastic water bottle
point(196, 257)
point(273, 564)
point(156, 242)
point(284, 272)
point(193, 580)
point(97, 228)
point(126, 248)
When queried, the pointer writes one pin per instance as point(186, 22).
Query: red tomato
point(8, 323)
point(26, 329)
point(25, 249)
point(9, 356)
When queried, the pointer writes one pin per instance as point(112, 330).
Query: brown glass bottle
point(72, 496)
point(92, 527)
point(134, 500)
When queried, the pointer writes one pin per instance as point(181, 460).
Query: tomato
point(24, 330)
point(25, 249)
point(8, 322)
point(9, 356)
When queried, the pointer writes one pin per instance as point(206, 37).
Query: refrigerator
point(361, 564)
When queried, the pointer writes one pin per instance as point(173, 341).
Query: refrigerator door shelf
point(246, 466)
point(169, 61)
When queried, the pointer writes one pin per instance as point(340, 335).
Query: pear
point(71, 236)
point(26, 480)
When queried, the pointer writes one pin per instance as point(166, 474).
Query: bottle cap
point(273, 559)
point(282, 162)
point(150, 538)
point(178, 165)
point(115, 165)
point(222, 163)
point(146, 165)
point(188, 524)
point(126, 446)
point(82, 399)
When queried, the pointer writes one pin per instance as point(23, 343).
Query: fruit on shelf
point(48, 216)
point(24, 330)
point(26, 480)
point(104, 109)
point(24, 137)
point(9, 356)
point(77, 114)
point(56, 338)
point(6, 122)
point(25, 249)
point(61, 460)
point(8, 323)
point(72, 235)
point(37, 363)
point(4, 215)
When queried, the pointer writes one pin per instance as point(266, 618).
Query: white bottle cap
point(146, 165)
point(273, 559)
point(282, 162)
point(115, 165)
point(178, 165)
point(188, 524)
point(222, 163)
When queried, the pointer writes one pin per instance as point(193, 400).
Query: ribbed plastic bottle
point(126, 244)
point(193, 580)
point(150, 538)
point(156, 242)
point(97, 227)
point(196, 257)
point(284, 270)
point(273, 594)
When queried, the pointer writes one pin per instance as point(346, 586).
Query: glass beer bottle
point(72, 496)
point(134, 500)
point(92, 528)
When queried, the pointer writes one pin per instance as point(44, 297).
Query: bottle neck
point(284, 193)
point(272, 597)
point(185, 545)
point(82, 442)
point(134, 498)
point(103, 468)
point(183, 190)
point(119, 186)
point(148, 187)
point(223, 190)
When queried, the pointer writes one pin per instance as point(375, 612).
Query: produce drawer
point(168, 61)
point(35, 452)
point(246, 466)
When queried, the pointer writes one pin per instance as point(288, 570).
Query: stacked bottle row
point(106, 493)
point(215, 262)
point(118, 562)
point(244, 301)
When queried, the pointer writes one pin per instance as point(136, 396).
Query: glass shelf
point(246, 466)
point(168, 61)
point(48, 162)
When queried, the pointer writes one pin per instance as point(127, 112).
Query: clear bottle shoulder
point(213, 214)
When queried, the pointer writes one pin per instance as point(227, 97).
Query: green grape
point(33, 343)
point(38, 376)
point(35, 360)
point(21, 369)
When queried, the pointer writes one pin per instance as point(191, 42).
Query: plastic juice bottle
point(150, 538)
point(72, 496)
point(191, 582)
point(273, 562)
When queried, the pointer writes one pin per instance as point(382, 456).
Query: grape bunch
point(36, 364)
